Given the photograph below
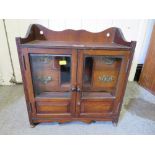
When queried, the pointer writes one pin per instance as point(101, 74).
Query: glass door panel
point(101, 73)
point(50, 74)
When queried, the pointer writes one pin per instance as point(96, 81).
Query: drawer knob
point(44, 80)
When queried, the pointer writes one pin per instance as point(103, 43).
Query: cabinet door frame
point(119, 86)
point(31, 97)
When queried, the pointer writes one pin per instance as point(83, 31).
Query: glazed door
point(51, 80)
point(101, 76)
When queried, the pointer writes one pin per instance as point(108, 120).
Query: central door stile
point(79, 82)
point(74, 81)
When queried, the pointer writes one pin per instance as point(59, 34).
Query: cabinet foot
point(114, 124)
point(33, 125)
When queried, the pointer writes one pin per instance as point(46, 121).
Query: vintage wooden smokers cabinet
point(74, 75)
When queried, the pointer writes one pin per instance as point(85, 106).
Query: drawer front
point(53, 107)
point(106, 63)
point(52, 84)
point(105, 79)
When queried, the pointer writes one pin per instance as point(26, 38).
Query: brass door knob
point(73, 89)
point(78, 89)
point(78, 103)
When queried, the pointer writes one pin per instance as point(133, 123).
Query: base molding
point(35, 121)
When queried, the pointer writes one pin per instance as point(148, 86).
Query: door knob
point(78, 89)
point(78, 103)
point(73, 89)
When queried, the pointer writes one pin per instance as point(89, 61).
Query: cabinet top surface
point(72, 44)
point(42, 37)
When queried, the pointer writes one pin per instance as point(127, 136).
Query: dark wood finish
point(51, 99)
point(147, 77)
point(69, 44)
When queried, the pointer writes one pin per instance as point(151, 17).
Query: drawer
point(106, 63)
point(43, 61)
point(105, 79)
point(53, 107)
point(52, 84)
point(96, 106)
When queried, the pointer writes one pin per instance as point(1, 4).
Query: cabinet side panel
point(20, 56)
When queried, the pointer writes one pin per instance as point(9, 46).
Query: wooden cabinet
point(147, 77)
point(74, 75)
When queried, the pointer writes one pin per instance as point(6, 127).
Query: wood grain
point(75, 102)
point(147, 77)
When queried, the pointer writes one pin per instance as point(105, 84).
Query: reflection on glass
point(101, 73)
point(50, 72)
